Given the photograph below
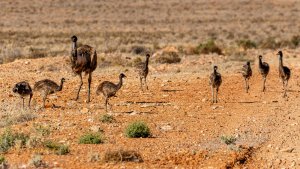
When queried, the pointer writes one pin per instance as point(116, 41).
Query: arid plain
point(185, 39)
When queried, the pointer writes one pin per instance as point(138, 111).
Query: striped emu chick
point(109, 89)
point(264, 71)
point(247, 73)
point(215, 81)
point(284, 73)
point(23, 89)
point(46, 87)
point(143, 71)
point(83, 59)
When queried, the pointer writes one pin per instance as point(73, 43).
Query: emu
point(83, 59)
point(109, 89)
point(215, 82)
point(47, 87)
point(23, 89)
point(247, 73)
point(143, 70)
point(264, 71)
point(284, 73)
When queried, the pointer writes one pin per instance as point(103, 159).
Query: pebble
point(287, 150)
point(85, 110)
point(166, 127)
point(95, 129)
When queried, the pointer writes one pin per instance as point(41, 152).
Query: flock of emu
point(84, 59)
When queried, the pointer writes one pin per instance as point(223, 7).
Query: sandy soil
point(186, 128)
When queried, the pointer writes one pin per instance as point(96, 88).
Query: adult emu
point(83, 59)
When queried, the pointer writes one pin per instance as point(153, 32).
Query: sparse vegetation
point(91, 138)
point(37, 161)
point(270, 43)
point(42, 130)
point(59, 149)
point(228, 140)
point(2, 160)
point(168, 57)
point(246, 44)
point(295, 41)
point(122, 156)
point(137, 130)
point(208, 47)
point(8, 139)
point(106, 118)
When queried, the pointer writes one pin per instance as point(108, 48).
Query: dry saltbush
point(122, 156)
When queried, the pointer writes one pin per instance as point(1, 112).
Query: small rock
point(95, 129)
point(288, 150)
point(85, 110)
point(166, 127)
point(264, 102)
point(204, 100)
point(214, 107)
point(134, 113)
point(27, 62)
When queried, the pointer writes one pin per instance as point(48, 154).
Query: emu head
point(74, 38)
point(279, 54)
point(122, 76)
point(215, 68)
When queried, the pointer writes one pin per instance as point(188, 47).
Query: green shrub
point(246, 44)
point(106, 118)
point(2, 159)
point(91, 138)
point(208, 47)
point(228, 140)
point(8, 140)
point(137, 130)
point(59, 149)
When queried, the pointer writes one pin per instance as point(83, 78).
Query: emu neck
point(60, 86)
point(215, 71)
point(280, 62)
point(74, 49)
point(119, 85)
point(260, 62)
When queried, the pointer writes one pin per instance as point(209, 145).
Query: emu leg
point(246, 85)
point(106, 102)
point(264, 84)
point(285, 89)
point(217, 90)
point(146, 83)
point(44, 99)
point(212, 94)
point(81, 83)
point(23, 102)
point(89, 90)
point(141, 83)
point(30, 97)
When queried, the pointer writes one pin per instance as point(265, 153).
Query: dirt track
point(185, 126)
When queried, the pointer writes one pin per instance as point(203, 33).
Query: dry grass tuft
point(122, 156)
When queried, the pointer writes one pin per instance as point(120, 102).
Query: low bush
point(137, 130)
point(122, 156)
point(246, 44)
point(91, 138)
point(168, 57)
point(59, 149)
point(106, 118)
point(9, 139)
point(208, 47)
